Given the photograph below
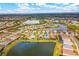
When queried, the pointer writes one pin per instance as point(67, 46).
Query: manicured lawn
point(54, 26)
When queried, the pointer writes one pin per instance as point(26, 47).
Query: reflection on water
point(32, 49)
point(61, 27)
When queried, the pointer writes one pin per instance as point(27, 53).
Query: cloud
point(67, 7)
point(43, 8)
point(55, 7)
point(0, 7)
point(22, 8)
point(72, 8)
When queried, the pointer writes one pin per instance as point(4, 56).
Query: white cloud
point(24, 8)
point(68, 8)
point(72, 8)
point(40, 1)
point(22, 5)
point(40, 4)
point(0, 7)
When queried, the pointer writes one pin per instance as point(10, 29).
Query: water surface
point(32, 49)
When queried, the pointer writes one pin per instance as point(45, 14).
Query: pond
point(61, 27)
point(32, 49)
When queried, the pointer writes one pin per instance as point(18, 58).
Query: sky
point(10, 8)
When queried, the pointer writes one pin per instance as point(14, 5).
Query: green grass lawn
point(54, 26)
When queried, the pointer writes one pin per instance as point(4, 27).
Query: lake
point(32, 49)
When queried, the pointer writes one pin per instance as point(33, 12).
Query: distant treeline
point(45, 14)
